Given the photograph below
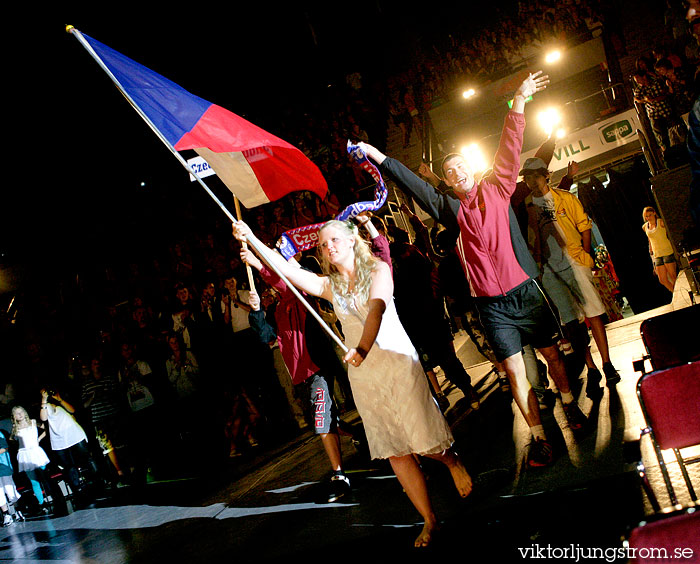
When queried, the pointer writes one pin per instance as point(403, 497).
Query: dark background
point(79, 153)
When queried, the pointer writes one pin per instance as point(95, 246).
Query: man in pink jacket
point(497, 263)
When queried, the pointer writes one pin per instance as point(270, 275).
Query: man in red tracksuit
point(311, 361)
point(497, 263)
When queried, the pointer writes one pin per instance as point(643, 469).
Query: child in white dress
point(31, 458)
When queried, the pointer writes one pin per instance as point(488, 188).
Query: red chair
point(670, 402)
point(666, 538)
point(672, 338)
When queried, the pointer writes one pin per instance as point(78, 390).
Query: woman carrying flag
point(391, 393)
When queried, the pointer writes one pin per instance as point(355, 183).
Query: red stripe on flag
point(223, 131)
point(283, 170)
point(279, 167)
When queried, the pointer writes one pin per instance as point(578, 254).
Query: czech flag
point(254, 164)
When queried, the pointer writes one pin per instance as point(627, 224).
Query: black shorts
point(324, 410)
point(521, 317)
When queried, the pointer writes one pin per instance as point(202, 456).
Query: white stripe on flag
point(235, 171)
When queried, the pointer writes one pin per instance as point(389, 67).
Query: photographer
point(68, 439)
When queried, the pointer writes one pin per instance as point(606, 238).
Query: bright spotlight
point(549, 119)
point(561, 133)
point(474, 157)
point(552, 56)
point(468, 93)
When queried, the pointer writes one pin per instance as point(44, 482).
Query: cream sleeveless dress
point(390, 388)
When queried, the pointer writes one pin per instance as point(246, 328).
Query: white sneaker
point(7, 520)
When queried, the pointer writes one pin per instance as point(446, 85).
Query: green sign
point(617, 130)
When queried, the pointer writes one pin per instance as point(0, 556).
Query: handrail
point(596, 93)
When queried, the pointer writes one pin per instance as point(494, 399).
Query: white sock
point(567, 397)
point(538, 432)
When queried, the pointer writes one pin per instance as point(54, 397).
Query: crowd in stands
point(157, 353)
point(508, 42)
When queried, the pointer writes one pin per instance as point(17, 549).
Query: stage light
point(552, 56)
point(561, 133)
point(549, 119)
point(474, 157)
point(468, 93)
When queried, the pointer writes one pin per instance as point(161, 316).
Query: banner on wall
point(615, 132)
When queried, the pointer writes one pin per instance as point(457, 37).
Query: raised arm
point(269, 276)
point(534, 83)
point(378, 243)
point(440, 207)
point(506, 163)
point(302, 279)
point(44, 411)
point(265, 332)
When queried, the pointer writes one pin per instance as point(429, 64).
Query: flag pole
point(79, 36)
point(244, 244)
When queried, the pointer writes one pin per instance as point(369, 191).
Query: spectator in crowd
point(182, 311)
point(31, 458)
point(660, 248)
point(281, 221)
point(211, 335)
point(652, 93)
point(101, 397)
point(7, 397)
point(678, 85)
point(182, 264)
point(693, 18)
point(400, 116)
point(422, 239)
point(143, 394)
point(297, 408)
point(69, 443)
point(182, 370)
point(242, 422)
point(143, 332)
point(424, 319)
point(8, 491)
point(302, 213)
point(251, 356)
point(211, 256)
point(693, 49)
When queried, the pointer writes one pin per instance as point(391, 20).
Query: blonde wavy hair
point(365, 262)
point(28, 421)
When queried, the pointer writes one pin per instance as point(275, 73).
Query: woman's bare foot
point(462, 479)
point(427, 534)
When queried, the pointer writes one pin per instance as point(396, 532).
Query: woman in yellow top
point(660, 248)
